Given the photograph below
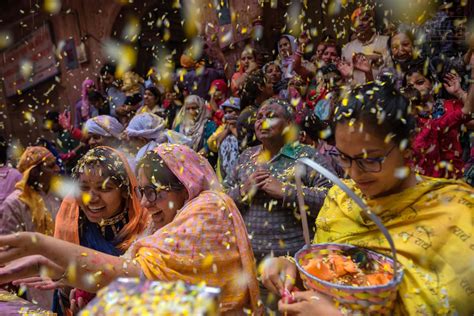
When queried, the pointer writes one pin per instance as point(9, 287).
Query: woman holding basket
point(430, 220)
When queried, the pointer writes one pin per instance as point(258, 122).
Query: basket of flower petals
point(361, 281)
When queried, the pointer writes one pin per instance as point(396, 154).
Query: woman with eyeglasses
point(197, 234)
point(429, 219)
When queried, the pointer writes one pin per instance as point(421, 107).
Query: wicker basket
point(375, 300)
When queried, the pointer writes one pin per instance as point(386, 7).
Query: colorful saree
point(207, 240)
point(67, 220)
point(73, 227)
point(28, 209)
point(432, 227)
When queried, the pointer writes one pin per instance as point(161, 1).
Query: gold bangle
point(63, 276)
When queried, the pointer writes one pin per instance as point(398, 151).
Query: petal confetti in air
point(26, 68)
point(52, 6)
point(293, 20)
point(191, 11)
point(402, 173)
point(124, 55)
point(131, 30)
point(6, 39)
point(63, 187)
point(86, 198)
point(207, 261)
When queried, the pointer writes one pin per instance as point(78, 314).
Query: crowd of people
point(195, 180)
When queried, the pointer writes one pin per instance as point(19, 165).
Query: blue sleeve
point(209, 129)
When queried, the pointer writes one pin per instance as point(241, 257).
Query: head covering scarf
point(287, 62)
point(104, 125)
point(68, 216)
point(189, 127)
point(206, 241)
point(361, 11)
point(85, 106)
point(431, 226)
point(32, 157)
point(220, 85)
point(357, 12)
point(147, 125)
point(292, 41)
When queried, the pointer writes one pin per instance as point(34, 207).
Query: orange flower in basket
point(342, 265)
point(378, 278)
point(319, 269)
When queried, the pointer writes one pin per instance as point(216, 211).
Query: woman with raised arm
point(200, 236)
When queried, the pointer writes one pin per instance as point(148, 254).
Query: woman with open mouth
point(196, 234)
point(106, 215)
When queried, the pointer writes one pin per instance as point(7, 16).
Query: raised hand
point(452, 84)
point(65, 120)
point(345, 68)
point(362, 63)
point(252, 66)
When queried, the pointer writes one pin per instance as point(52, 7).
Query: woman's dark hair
point(313, 126)
point(246, 128)
point(251, 88)
point(412, 94)
point(250, 49)
point(95, 96)
point(52, 116)
point(155, 92)
point(421, 68)
point(158, 172)
point(379, 106)
point(108, 69)
point(408, 34)
point(111, 165)
point(331, 43)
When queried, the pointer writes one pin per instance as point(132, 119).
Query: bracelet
point(63, 276)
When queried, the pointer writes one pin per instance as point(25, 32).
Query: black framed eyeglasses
point(365, 164)
point(151, 192)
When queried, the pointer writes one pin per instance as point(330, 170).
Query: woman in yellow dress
point(430, 220)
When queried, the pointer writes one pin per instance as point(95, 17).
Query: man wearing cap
point(224, 140)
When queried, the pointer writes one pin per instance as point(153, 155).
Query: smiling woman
point(425, 216)
point(200, 234)
point(106, 216)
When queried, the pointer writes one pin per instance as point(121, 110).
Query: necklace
point(111, 222)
